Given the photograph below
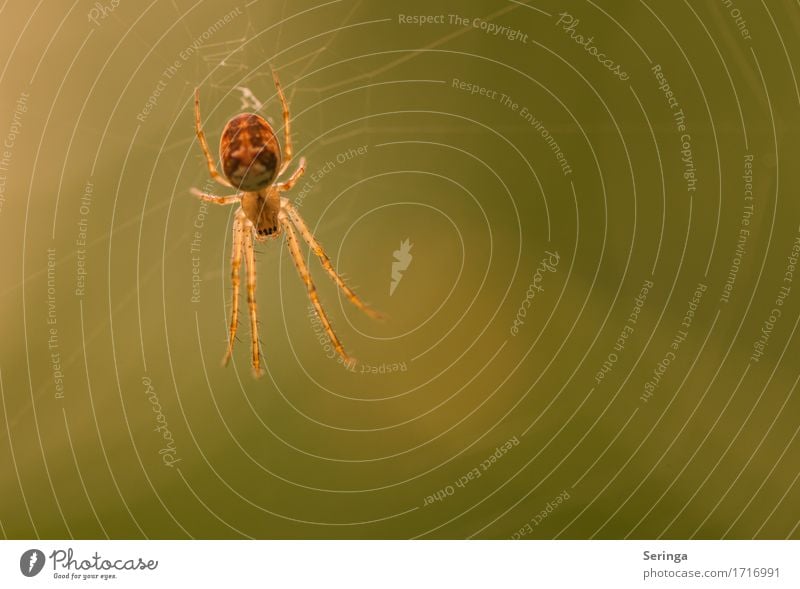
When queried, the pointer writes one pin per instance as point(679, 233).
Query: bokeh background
point(503, 397)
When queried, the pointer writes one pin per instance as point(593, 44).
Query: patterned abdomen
point(250, 152)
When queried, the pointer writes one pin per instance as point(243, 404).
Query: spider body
point(251, 162)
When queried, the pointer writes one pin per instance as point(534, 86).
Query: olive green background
point(312, 450)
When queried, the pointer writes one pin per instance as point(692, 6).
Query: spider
point(251, 161)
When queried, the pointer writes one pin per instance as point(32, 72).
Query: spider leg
point(315, 246)
point(212, 167)
point(302, 269)
point(287, 135)
point(220, 200)
point(236, 262)
point(250, 260)
point(301, 168)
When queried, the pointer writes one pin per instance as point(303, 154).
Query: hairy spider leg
point(292, 180)
point(250, 261)
point(302, 269)
point(287, 136)
point(212, 167)
point(315, 246)
point(220, 200)
point(236, 262)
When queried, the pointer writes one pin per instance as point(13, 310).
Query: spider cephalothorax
point(251, 161)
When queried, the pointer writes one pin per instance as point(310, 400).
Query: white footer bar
point(408, 564)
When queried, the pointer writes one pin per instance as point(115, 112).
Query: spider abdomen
point(250, 152)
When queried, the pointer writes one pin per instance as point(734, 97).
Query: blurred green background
point(115, 287)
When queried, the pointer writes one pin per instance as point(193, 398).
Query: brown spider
point(251, 160)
